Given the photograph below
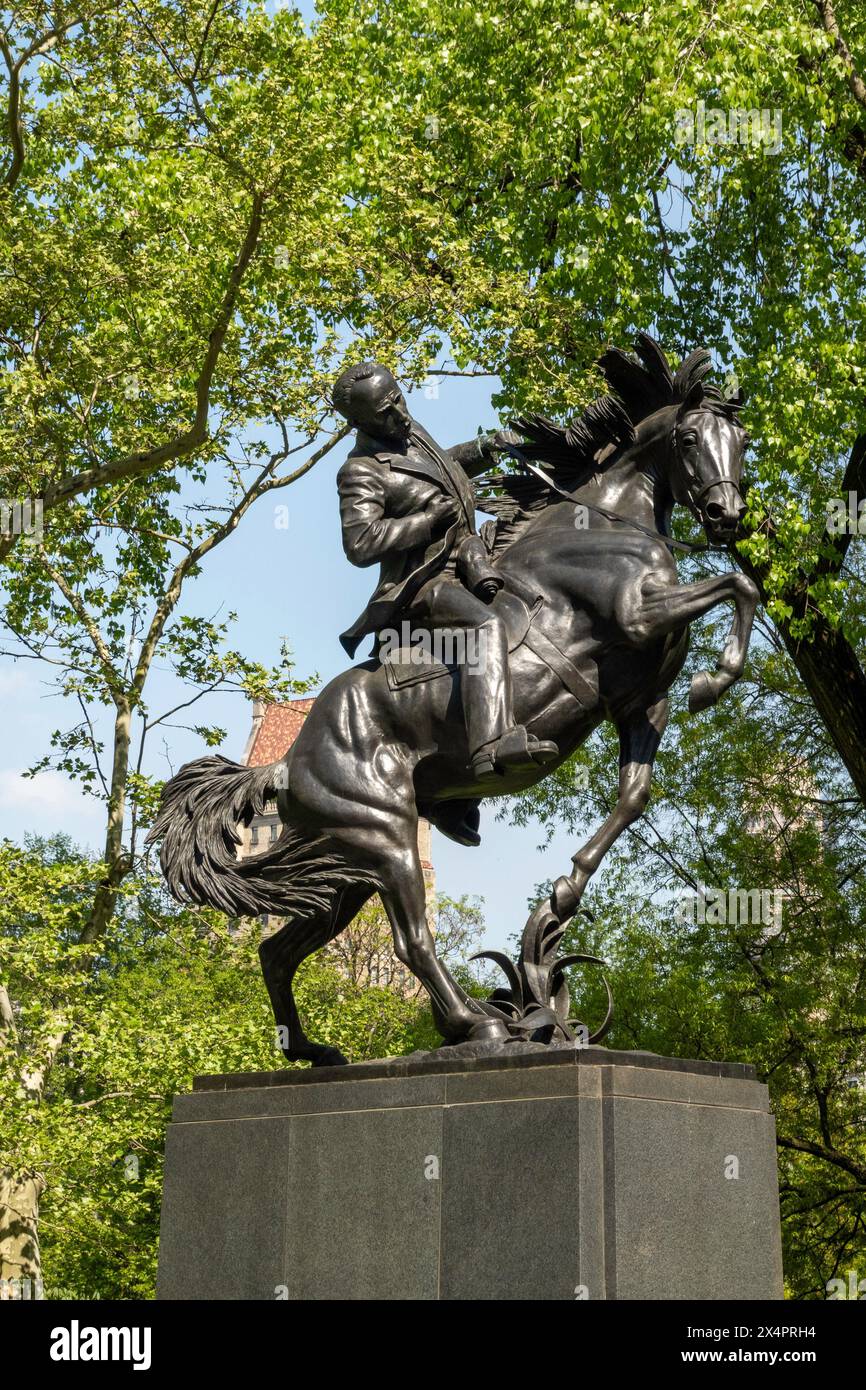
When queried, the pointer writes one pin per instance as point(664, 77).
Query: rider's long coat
point(382, 499)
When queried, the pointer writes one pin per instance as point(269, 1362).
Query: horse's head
point(706, 466)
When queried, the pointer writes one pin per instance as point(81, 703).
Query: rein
point(687, 546)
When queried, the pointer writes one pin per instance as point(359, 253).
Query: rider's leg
point(485, 682)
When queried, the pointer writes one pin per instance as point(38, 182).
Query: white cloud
point(45, 804)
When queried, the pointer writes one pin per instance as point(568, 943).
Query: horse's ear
point(693, 400)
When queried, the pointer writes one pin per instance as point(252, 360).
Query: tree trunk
point(832, 674)
point(20, 1264)
point(117, 862)
point(836, 682)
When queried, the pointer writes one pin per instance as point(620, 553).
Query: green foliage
point(202, 208)
point(172, 994)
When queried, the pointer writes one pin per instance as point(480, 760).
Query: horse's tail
point(200, 812)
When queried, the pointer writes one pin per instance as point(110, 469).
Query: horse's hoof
point(330, 1057)
point(488, 1030)
point(702, 692)
point(565, 898)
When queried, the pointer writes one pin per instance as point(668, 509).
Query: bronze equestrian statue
point(597, 628)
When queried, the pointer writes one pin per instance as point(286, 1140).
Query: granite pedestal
point(555, 1175)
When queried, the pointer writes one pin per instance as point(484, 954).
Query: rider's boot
point(516, 751)
point(497, 745)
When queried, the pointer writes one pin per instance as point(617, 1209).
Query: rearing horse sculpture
point(599, 630)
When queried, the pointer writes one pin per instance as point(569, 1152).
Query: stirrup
point(515, 751)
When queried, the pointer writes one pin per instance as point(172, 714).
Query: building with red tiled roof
point(275, 728)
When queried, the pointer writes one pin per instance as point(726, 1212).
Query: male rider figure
point(410, 505)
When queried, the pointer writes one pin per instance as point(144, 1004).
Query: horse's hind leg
point(281, 955)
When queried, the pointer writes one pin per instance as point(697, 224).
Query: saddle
point(411, 665)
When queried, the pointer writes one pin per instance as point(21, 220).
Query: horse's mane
point(639, 386)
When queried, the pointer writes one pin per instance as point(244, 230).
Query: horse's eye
point(688, 439)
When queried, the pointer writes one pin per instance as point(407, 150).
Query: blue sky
point(294, 583)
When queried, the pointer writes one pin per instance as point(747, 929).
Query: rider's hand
point(441, 513)
point(501, 440)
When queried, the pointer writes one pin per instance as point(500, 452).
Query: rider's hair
point(341, 395)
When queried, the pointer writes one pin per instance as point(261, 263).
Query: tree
point(187, 257)
point(183, 265)
point(171, 994)
point(596, 170)
point(190, 262)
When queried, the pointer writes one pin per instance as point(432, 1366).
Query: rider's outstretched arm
point(479, 453)
point(475, 455)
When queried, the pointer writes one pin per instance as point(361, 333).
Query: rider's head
point(370, 399)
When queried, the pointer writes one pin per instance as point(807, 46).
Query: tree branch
point(829, 1155)
point(147, 461)
point(13, 117)
point(87, 622)
point(831, 25)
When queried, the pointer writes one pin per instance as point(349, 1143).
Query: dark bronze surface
point(589, 624)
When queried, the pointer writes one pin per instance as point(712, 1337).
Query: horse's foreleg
point(660, 608)
point(639, 739)
point(457, 1016)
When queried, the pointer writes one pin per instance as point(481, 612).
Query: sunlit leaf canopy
point(511, 179)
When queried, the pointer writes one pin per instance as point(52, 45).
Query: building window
point(274, 831)
point(254, 836)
